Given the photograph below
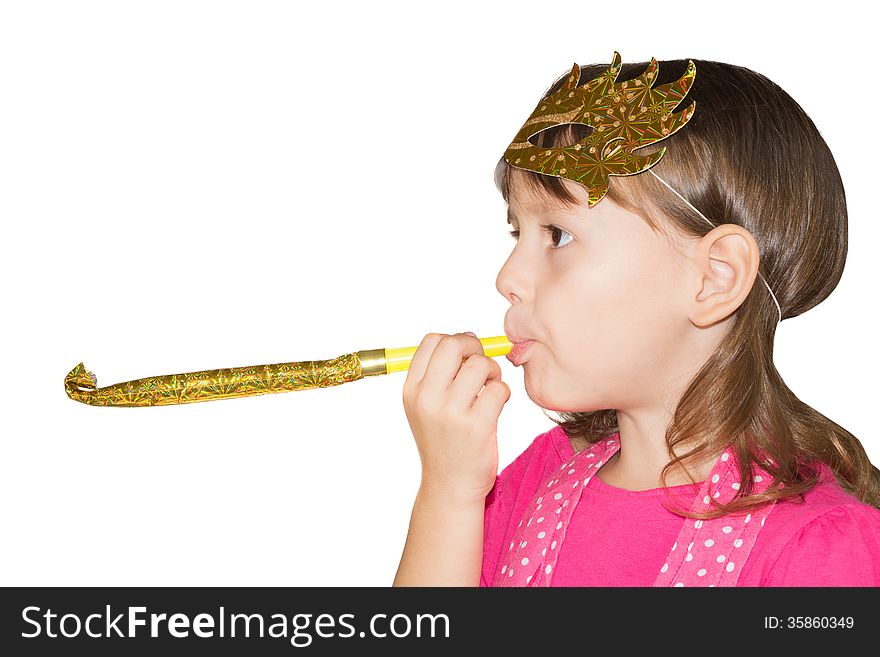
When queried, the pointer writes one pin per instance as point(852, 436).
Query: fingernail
point(469, 333)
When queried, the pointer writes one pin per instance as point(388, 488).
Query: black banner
point(341, 621)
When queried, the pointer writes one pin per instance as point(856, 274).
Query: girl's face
point(605, 299)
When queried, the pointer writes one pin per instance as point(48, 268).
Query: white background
point(196, 185)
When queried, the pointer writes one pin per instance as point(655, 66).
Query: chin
point(549, 403)
point(557, 402)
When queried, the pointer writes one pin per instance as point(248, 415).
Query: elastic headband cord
point(778, 307)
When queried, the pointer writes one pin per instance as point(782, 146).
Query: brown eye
point(550, 228)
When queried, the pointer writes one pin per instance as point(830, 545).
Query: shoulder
point(551, 448)
point(829, 539)
point(544, 453)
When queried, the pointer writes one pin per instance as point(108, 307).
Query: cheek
point(607, 324)
point(579, 322)
point(587, 305)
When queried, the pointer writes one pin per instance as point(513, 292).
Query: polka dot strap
point(716, 549)
point(532, 554)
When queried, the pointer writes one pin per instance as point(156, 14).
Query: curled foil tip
point(80, 383)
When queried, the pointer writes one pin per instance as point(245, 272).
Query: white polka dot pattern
point(535, 546)
point(716, 549)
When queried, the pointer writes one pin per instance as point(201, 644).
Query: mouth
point(517, 354)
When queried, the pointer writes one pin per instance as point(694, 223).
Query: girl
point(681, 457)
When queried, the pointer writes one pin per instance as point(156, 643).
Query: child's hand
point(454, 424)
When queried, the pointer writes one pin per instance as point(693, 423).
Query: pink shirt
point(618, 537)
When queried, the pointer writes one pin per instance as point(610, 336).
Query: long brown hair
point(749, 156)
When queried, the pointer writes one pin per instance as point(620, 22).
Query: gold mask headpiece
point(623, 117)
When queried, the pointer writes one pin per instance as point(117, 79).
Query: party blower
point(82, 385)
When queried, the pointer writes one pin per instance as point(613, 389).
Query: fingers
point(475, 373)
point(493, 398)
point(419, 363)
point(447, 358)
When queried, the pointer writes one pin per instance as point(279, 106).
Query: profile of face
point(609, 302)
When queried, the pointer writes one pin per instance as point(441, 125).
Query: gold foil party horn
point(82, 385)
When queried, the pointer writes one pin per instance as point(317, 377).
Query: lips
point(515, 355)
point(520, 344)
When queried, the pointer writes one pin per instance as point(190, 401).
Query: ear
point(728, 259)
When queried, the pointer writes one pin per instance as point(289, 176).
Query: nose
point(508, 282)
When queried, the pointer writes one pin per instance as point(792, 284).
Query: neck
point(643, 453)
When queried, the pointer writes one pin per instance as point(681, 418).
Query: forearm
point(444, 546)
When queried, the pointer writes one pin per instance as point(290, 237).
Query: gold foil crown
point(623, 117)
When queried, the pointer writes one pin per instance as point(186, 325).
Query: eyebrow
point(546, 209)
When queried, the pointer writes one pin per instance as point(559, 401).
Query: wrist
point(446, 494)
